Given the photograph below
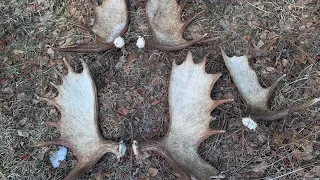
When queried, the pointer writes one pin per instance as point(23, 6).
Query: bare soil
point(280, 37)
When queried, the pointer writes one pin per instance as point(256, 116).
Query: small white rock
point(141, 42)
point(58, 156)
point(249, 123)
point(122, 149)
point(135, 148)
point(50, 52)
point(119, 42)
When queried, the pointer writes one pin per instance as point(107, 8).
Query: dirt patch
point(279, 37)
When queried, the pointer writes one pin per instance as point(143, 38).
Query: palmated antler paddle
point(111, 19)
point(257, 97)
point(167, 28)
point(77, 102)
point(190, 108)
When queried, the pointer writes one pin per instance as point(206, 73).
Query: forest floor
point(280, 37)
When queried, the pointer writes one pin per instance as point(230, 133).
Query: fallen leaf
point(270, 69)
point(23, 133)
point(143, 178)
point(25, 156)
point(53, 112)
point(20, 96)
point(155, 102)
point(286, 89)
point(51, 63)
point(285, 62)
point(139, 91)
point(260, 44)
point(296, 154)
point(122, 111)
point(3, 44)
point(122, 60)
point(318, 58)
point(7, 90)
point(260, 167)
point(50, 52)
point(15, 52)
point(131, 57)
point(153, 171)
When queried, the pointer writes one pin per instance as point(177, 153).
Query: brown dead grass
point(286, 149)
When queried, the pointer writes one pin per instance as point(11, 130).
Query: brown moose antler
point(167, 28)
point(190, 107)
point(254, 95)
point(77, 102)
point(111, 19)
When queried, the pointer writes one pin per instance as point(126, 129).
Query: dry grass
point(285, 149)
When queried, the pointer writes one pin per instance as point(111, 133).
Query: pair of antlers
point(111, 20)
point(190, 106)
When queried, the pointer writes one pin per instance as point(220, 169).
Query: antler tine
point(187, 22)
point(84, 66)
point(57, 72)
point(68, 65)
point(217, 103)
point(52, 101)
point(54, 142)
point(85, 48)
point(275, 115)
point(190, 106)
point(274, 85)
point(258, 98)
point(53, 124)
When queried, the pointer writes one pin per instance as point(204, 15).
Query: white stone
point(249, 123)
point(58, 156)
point(119, 42)
point(141, 42)
point(122, 149)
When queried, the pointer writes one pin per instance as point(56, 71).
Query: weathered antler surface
point(77, 102)
point(167, 28)
point(254, 95)
point(190, 109)
point(111, 19)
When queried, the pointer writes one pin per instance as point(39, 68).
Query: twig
point(296, 170)
point(258, 8)
point(2, 176)
point(312, 60)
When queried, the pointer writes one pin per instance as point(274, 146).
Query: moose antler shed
point(77, 102)
point(111, 19)
point(190, 106)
